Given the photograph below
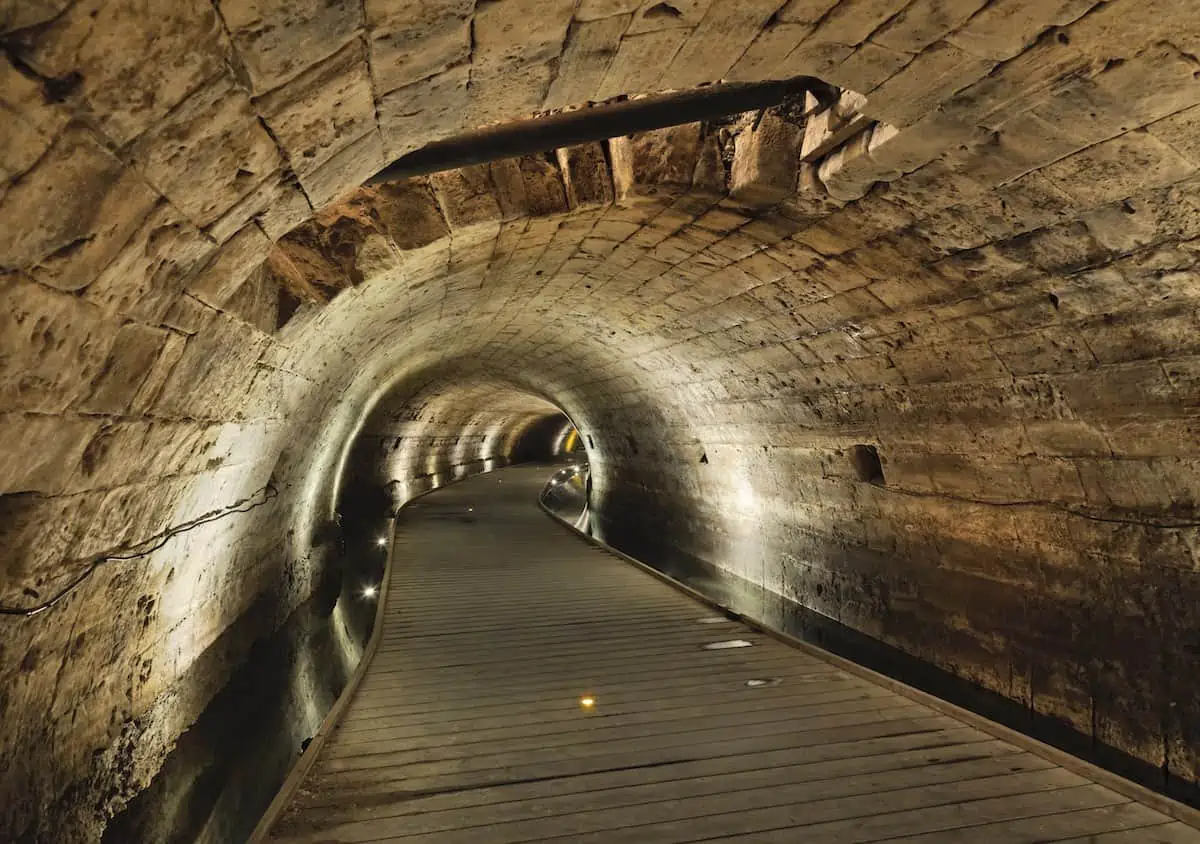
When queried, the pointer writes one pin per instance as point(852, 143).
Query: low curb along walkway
point(531, 687)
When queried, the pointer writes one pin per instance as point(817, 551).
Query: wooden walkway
point(471, 725)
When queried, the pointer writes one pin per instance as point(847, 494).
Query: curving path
point(469, 727)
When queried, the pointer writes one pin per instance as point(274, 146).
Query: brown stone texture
point(412, 40)
point(209, 153)
point(323, 110)
point(985, 266)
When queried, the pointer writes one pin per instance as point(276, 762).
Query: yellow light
point(587, 701)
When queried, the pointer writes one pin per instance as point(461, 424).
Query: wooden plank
point(468, 727)
point(855, 820)
point(1124, 822)
point(511, 802)
point(688, 799)
point(1169, 833)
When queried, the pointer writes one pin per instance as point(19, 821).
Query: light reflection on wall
point(449, 431)
point(733, 476)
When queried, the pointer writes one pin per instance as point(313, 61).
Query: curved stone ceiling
point(981, 263)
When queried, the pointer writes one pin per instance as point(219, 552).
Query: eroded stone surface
point(209, 153)
point(75, 210)
point(995, 287)
point(323, 110)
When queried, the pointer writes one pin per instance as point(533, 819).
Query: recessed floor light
point(727, 644)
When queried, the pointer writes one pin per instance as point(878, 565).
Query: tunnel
point(871, 323)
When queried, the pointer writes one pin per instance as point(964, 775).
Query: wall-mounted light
point(381, 542)
point(369, 592)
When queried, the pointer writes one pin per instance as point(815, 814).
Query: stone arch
point(981, 261)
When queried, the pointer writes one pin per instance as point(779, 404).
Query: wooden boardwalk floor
point(469, 727)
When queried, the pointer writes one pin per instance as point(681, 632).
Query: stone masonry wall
point(416, 441)
point(981, 262)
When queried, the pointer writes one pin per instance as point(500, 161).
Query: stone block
point(29, 123)
point(948, 363)
point(188, 315)
point(321, 111)
point(256, 302)
point(1062, 249)
point(640, 63)
point(412, 40)
point(22, 15)
point(1122, 226)
point(277, 43)
point(590, 10)
point(767, 53)
point(424, 112)
point(585, 175)
point(41, 453)
point(70, 215)
point(653, 15)
point(852, 23)
point(1030, 202)
point(1182, 132)
point(409, 213)
point(1082, 112)
point(1051, 65)
point(160, 371)
point(839, 173)
point(718, 41)
point(866, 68)
point(929, 80)
point(303, 273)
point(52, 345)
point(764, 162)
point(805, 12)
point(650, 163)
point(1154, 84)
point(947, 231)
point(527, 187)
point(1121, 29)
point(924, 22)
point(467, 196)
point(130, 61)
point(345, 171)
point(1043, 352)
point(276, 203)
point(497, 96)
point(590, 50)
point(1118, 168)
point(1002, 30)
point(225, 273)
point(813, 58)
point(133, 354)
point(517, 33)
point(905, 150)
point(209, 152)
point(153, 267)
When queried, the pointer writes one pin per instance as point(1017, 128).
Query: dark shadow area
point(762, 608)
point(537, 443)
point(225, 770)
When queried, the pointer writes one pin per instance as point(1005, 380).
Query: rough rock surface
point(987, 271)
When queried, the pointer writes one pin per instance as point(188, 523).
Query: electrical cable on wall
point(131, 552)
